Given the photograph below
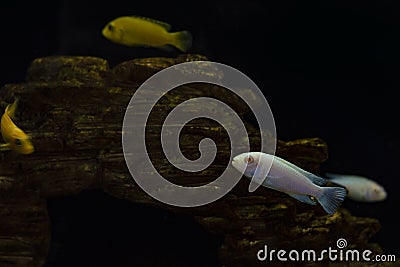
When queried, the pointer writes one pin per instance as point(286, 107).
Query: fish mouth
point(383, 194)
point(103, 32)
point(235, 162)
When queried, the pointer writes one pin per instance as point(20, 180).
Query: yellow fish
point(14, 137)
point(140, 31)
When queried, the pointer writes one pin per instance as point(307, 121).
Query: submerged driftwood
point(73, 108)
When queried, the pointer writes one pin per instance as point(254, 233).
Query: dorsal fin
point(161, 23)
point(314, 178)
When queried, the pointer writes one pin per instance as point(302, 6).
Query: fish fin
point(257, 181)
point(10, 109)
point(183, 40)
point(331, 198)
point(5, 147)
point(303, 198)
point(167, 48)
point(332, 175)
point(165, 25)
point(316, 179)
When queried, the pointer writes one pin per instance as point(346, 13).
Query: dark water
point(94, 229)
point(328, 69)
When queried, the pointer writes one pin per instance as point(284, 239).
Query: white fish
point(290, 179)
point(359, 188)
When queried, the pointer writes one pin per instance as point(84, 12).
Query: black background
point(328, 68)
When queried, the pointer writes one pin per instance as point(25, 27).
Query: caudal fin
point(331, 198)
point(10, 109)
point(183, 40)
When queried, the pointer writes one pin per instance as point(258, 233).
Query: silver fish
point(286, 177)
point(359, 188)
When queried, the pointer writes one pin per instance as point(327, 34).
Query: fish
point(288, 178)
point(361, 189)
point(15, 138)
point(146, 32)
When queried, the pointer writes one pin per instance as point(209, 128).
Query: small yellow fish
point(140, 31)
point(14, 137)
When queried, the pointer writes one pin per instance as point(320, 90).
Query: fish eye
point(110, 27)
point(249, 159)
point(18, 142)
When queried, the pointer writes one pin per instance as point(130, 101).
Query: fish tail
point(331, 198)
point(10, 109)
point(183, 40)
